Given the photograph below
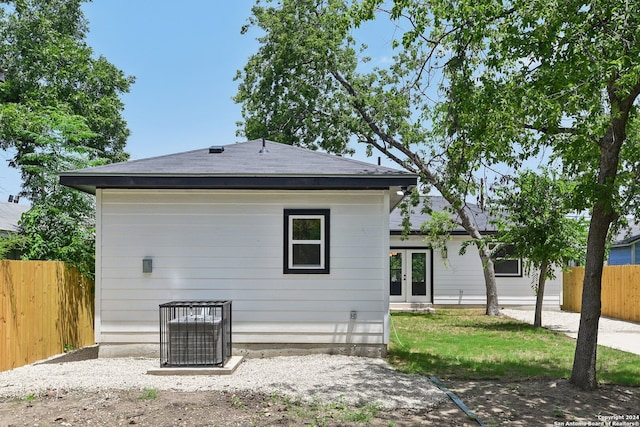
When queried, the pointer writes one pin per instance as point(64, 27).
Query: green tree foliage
point(54, 233)
point(60, 108)
point(12, 245)
point(531, 212)
point(539, 74)
point(311, 84)
point(60, 224)
point(48, 66)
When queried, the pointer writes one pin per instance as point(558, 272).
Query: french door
point(410, 275)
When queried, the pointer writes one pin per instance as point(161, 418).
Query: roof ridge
point(324, 153)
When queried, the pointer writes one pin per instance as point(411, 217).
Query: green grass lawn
point(466, 344)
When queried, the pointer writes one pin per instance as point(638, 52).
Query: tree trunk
point(537, 321)
point(583, 374)
point(492, 309)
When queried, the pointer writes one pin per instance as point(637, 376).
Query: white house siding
point(228, 245)
point(459, 279)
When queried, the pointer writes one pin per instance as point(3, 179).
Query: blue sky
point(184, 57)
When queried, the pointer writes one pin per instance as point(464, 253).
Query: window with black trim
point(306, 241)
point(505, 264)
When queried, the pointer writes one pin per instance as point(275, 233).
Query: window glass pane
point(502, 265)
point(308, 255)
point(504, 251)
point(306, 229)
point(507, 266)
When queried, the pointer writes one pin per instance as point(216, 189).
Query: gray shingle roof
point(628, 234)
point(437, 204)
point(242, 165)
point(10, 214)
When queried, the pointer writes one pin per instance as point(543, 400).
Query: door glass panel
point(418, 274)
point(395, 268)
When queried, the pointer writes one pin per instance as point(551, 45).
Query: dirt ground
point(533, 403)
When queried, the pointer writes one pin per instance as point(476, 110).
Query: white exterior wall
point(228, 245)
point(459, 279)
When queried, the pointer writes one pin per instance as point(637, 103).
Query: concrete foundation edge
point(108, 350)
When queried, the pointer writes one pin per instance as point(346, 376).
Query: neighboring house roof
point(627, 235)
point(254, 164)
point(418, 216)
point(10, 214)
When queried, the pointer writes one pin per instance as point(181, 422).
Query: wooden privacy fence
point(620, 291)
point(46, 308)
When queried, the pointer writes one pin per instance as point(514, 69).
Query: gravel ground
point(320, 378)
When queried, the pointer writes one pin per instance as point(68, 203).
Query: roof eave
point(89, 183)
point(626, 242)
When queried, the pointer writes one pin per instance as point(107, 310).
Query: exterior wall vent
point(216, 149)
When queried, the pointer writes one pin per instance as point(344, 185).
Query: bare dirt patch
point(530, 403)
point(546, 403)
